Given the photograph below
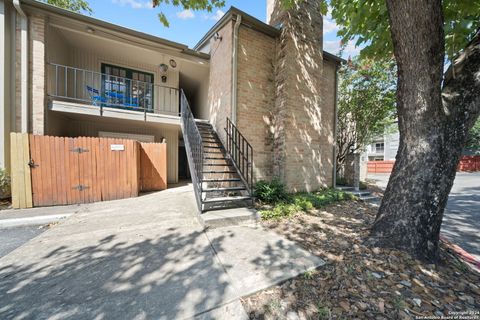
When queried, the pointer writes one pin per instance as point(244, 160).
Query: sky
point(187, 26)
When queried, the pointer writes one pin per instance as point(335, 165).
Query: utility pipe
point(335, 129)
point(23, 66)
point(234, 68)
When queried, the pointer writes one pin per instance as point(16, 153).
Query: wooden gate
point(380, 166)
point(82, 170)
point(153, 166)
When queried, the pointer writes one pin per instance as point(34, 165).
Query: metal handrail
point(241, 153)
point(105, 90)
point(194, 147)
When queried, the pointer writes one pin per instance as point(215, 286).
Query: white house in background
point(383, 148)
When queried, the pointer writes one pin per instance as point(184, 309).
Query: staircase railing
point(241, 153)
point(194, 148)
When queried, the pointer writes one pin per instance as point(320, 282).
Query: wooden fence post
point(21, 177)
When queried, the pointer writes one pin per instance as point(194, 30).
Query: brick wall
point(303, 139)
point(285, 98)
point(220, 82)
point(37, 73)
point(256, 95)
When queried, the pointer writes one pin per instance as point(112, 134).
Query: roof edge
point(256, 24)
point(247, 20)
point(182, 48)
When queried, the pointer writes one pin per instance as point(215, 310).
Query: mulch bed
point(363, 282)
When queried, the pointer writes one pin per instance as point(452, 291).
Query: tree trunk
point(432, 132)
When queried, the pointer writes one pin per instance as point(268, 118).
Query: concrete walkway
point(144, 258)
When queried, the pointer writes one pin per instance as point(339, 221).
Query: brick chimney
point(302, 158)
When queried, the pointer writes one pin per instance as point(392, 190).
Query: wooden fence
point(20, 171)
point(380, 166)
point(153, 164)
point(49, 171)
point(467, 163)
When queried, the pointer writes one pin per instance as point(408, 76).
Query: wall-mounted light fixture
point(217, 37)
point(163, 68)
point(163, 71)
point(173, 63)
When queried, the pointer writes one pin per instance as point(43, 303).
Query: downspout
point(23, 66)
point(234, 68)
point(335, 124)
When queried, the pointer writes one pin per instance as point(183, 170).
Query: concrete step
point(344, 188)
point(226, 199)
point(229, 217)
point(217, 164)
point(219, 172)
point(371, 199)
point(222, 180)
point(360, 194)
point(224, 189)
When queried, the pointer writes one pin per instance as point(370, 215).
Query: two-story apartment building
point(67, 74)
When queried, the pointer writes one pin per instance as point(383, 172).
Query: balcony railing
point(105, 90)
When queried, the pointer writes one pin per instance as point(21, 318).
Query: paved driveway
point(12, 238)
point(144, 258)
point(461, 222)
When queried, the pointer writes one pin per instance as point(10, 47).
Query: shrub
point(5, 184)
point(363, 185)
point(281, 210)
point(270, 192)
point(304, 201)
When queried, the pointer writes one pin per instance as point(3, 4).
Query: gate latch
point(79, 150)
point(80, 187)
point(32, 164)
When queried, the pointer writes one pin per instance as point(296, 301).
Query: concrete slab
point(144, 258)
point(256, 259)
point(231, 311)
point(31, 221)
point(229, 217)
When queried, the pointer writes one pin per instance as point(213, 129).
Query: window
point(379, 147)
point(127, 88)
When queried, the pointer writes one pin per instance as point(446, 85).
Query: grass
point(304, 202)
point(323, 312)
point(309, 274)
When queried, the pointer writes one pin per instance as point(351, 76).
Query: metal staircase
point(222, 177)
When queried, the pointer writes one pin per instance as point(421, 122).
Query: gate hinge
point(81, 187)
point(79, 150)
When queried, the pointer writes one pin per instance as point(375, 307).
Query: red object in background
point(469, 163)
point(380, 166)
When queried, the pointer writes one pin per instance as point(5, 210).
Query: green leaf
point(163, 19)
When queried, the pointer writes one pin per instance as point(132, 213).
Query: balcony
point(81, 91)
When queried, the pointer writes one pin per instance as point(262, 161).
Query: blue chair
point(133, 103)
point(95, 96)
